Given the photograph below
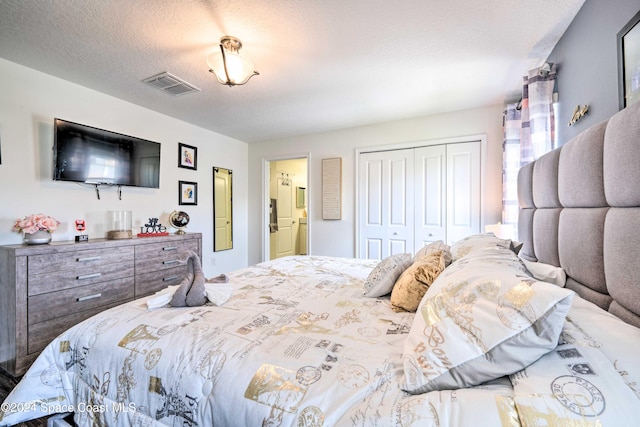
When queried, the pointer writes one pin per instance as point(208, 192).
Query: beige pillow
point(415, 280)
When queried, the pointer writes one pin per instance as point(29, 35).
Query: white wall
point(29, 101)
point(337, 238)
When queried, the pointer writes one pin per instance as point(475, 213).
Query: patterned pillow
point(546, 272)
point(438, 245)
point(479, 323)
point(582, 383)
point(620, 341)
point(414, 282)
point(477, 242)
point(381, 279)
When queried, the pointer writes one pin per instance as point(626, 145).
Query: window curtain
point(529, 132)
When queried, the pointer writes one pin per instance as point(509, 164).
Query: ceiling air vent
point(170, 84)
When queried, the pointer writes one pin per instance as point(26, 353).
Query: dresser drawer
point(48, 306)
point(39, 264)
point(161, 256)
point(79, 276)
point(162, 249)
point(40, 334)
point(149, 283)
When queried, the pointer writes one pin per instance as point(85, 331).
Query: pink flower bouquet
point(32, 223)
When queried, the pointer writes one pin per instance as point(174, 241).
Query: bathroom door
point(285, 236)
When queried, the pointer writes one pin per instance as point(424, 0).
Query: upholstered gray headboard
point(580, 210)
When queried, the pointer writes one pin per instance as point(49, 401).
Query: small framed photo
point(187, 156)
point(629, 63)
point(187, 193)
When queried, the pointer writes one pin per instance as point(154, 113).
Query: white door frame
point(422, 143)
point(266, 200)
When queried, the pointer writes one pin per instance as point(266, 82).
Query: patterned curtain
point(511, 165)
point(529, 132)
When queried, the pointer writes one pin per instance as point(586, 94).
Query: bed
point(546, 333)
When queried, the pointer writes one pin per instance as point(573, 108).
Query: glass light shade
point(240, 69)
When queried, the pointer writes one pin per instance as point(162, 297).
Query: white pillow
point(546, 272)
point(438, 245)
point(477, 242)
point(384, 275)
point(481, 322)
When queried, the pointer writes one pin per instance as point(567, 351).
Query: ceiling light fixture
point(228, 66)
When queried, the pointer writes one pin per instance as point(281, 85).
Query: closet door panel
point(386, 203)
point(371, 212)
point(463, 190)
point(372, 248)
point(430, 196)
point(374, 196)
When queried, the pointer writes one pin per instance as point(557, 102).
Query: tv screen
point(95, 156)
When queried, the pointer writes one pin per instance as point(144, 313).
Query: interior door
point(463, 190)
point(431, 208)
point(285, 236)
point(386, 191)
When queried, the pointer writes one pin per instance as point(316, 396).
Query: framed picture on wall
point(187, 193)
point(187, 156)
point(629, 63)
point(332, 188)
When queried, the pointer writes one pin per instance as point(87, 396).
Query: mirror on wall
point(222, 209)
point(301, 197)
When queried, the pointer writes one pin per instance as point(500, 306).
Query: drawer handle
point(170, 248)
point(170, 279)
point(171, 261)
point(91, 258)
point(89, 276)
point(88, 297)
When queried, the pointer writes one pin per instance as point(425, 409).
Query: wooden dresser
point(45, 289)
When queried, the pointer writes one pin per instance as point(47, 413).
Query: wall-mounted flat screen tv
point(95, 156)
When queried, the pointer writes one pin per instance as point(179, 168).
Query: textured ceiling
point(323, 65)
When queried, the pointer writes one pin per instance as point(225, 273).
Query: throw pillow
point(546, 272)
point(414, 282)
point(382, 278)
point(479, 323)
point(477, 242)
point(438, 245)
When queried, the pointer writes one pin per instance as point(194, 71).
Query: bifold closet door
point(463, 190)
point(431, 195)
point(411, 197)
point(386, 214)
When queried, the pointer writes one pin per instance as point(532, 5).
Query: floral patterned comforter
point(296, 345)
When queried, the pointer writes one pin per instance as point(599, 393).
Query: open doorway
point(287, 203)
